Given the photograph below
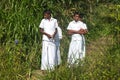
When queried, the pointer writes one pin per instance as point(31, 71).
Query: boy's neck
point(49, 18)
point(76, 20)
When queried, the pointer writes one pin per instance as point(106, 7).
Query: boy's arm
point(56, 25)
point(85, 28)
point(82, 31)
point(85, 31)
point(42, 31)
point(55, 33)
point(70, 32)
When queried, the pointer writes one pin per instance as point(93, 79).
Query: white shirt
point(58, 35)
point(76, 26)
point(49, 27)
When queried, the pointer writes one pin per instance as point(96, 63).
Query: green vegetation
point(20, 39)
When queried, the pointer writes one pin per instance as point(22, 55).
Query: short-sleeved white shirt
point(58, 35)
point(49, 27)
point(76, 26)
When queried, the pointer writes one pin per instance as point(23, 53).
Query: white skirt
point(76, 51)
point(48, 60)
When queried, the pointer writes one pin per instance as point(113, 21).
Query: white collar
point(75, 21)
point(50, 19)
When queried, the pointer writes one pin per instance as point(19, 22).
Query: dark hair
point(47, 12)
point(81, 15)
point(76, 13)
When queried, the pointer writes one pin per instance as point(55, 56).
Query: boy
point(48, 27)
point(76, 29)
point(58, 37)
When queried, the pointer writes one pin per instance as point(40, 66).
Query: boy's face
point(46, 16)
point(76, 17)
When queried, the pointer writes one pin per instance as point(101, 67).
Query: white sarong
point(58, 57)
point(48, 60)
point(76, 51)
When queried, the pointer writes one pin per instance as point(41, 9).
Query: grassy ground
point(95, 66)
point(101, 62)
point(19, 21)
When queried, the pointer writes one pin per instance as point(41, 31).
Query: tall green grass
point(20, 40)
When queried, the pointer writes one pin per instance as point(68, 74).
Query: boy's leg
point(48, 55)
point(58, 57)
point(44, 60)
point(51, 55)
point(74, 52)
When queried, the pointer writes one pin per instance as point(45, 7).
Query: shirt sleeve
point(41, 24)
point(85, 26)
point(56, 24)
point(59, 32)
point(69, 26)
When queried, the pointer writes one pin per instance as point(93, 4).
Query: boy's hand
point(81, 31)
point(54, 33)
point(49, 36)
